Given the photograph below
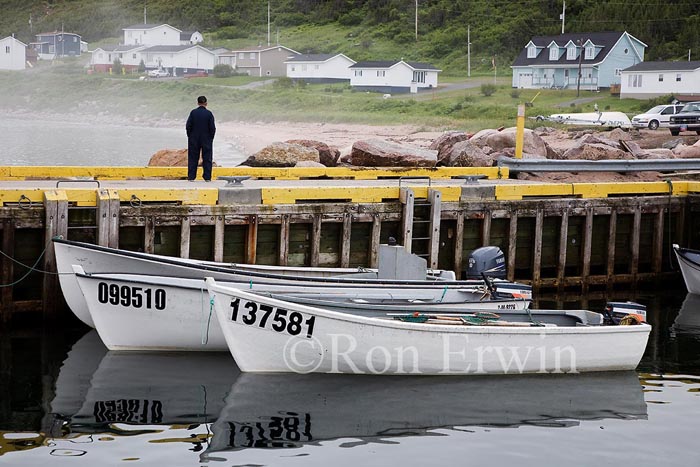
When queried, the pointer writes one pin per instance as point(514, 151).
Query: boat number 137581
point(279, 319)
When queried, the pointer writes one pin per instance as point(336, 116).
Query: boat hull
point(689, 262)
point(97, 259)
point(323, 341)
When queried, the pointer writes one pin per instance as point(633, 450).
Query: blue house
point(51, 45)
point(554, 61)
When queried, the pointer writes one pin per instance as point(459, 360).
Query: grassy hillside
point(374, 29)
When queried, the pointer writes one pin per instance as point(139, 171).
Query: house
point(13, 54)
point(260, 60)
point(51, 45)
point(160, 34)
point(129, 55)
point(393, 76)
point(554, 61)
point(651, 79)
point(319, 68)
point(179, 60)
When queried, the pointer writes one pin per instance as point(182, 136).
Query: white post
point(416, 20)
point(268, 24)
point(469, 51)
point(562, 17)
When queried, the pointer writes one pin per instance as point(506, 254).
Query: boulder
point(465, 154)
point(381, 153)
point(169, 158)
point(447, 140)
point(619, 134)
point(309, 164)
point(687, 152)
point(497, 140)
point(672, 143)
point(328, 155)
point(660, 153)
point(596, 152)
point(282, 155)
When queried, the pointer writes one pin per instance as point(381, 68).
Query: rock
point(551, 152)
point(596, 152)
point(328, 155)
point(309, 164)
point(633, 148)
point(465, 154)
point(380, 153)
point(619, 134)
point(497, 140)
point(660, 153)
point(282, 155)
point(687, 152)
point(672, 143)
point(598, 139)
point(169, 158)
point(444, 143)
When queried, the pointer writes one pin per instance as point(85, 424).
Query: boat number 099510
point(281, 320)
point(136, 297)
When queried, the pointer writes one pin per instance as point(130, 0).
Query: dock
point(556, 236)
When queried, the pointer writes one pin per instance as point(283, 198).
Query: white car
point(159, 73)
point(656, 116)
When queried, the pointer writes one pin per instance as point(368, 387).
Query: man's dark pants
point(194, 147)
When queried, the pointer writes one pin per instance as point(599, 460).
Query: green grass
point(124, 97)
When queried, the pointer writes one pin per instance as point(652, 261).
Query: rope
point(205, 331)
point(444, 291)
point(670, 247)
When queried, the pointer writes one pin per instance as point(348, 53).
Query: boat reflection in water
point(688, 319)
point(140, 388)
point(283, 410)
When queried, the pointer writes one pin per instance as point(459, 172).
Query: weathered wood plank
point(219, 225)
point(149, 235)
point(8, 247)
point(563, 245)
point(375, 240)
point(315, 240)
point(612, 232)
point(408, 199)
point(486, 229)
point(435, 199)
point(512, 244)
point(587, 247)
point(658, 241)
point(56, 206)
point(345, 241)
point(284, 241)
point(636, 233)
point(185, 237)
point(251, 244)
point(459, 243)
point(537, 247)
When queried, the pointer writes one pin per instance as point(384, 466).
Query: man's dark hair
point(201, 100)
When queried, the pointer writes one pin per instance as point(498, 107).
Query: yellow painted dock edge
point(292, 173)
point(293, 195)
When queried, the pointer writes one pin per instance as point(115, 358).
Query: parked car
point(159, 73)
point(687, 119)
point(656, 116)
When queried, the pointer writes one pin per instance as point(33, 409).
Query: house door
point(525, 80)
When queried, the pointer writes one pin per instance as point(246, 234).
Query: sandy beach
point(252, 137)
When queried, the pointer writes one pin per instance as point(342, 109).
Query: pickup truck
point(688, 119)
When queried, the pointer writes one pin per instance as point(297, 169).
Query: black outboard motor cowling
point(488, 260)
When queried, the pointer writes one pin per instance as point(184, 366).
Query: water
point(66, 400)
point(67, 141)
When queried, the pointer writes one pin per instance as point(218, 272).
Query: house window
point(293, 69)
point(251, 55)
point(554, 53)
point(7, 49)
point(634, 81)
point(678, 77)
point(618, 71)
point(75, 39)
point(358, 72)
point(661, 78)
point(531, 52)
point(590, 53)
point(571, 53)
point(303, 68)
point(316, 67)
point(241, 55)
point(381, 73)
point(133, 56)
point(419, 76)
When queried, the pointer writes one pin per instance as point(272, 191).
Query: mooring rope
point(205, 330)
point(670, 241)
point(31, 268)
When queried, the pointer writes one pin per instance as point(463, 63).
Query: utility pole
point(469, 52)
point(562, 16)
point(268, 24)
point(144, 13)
point(580, 57)
point(416, 20)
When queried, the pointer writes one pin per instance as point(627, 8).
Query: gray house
point(50, 45)
point(554, 61)
point(259, 61)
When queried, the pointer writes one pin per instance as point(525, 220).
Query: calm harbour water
point(66, 400)
point(66, 141)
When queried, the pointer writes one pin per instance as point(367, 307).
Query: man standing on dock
point(200, 138)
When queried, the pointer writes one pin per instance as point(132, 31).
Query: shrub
point(223, 70)
point(515, 93)
point(117, 67)
point(142, 67)
point(488, 89)
point(284, 83)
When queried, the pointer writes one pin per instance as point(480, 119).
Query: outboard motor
point(617, 311)
point(487, 260)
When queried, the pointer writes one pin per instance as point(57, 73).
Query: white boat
point(99, 259)
point(269, 335)
point(291, 410)
point(604, 119)
point(141, 312)
point(689, 262)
